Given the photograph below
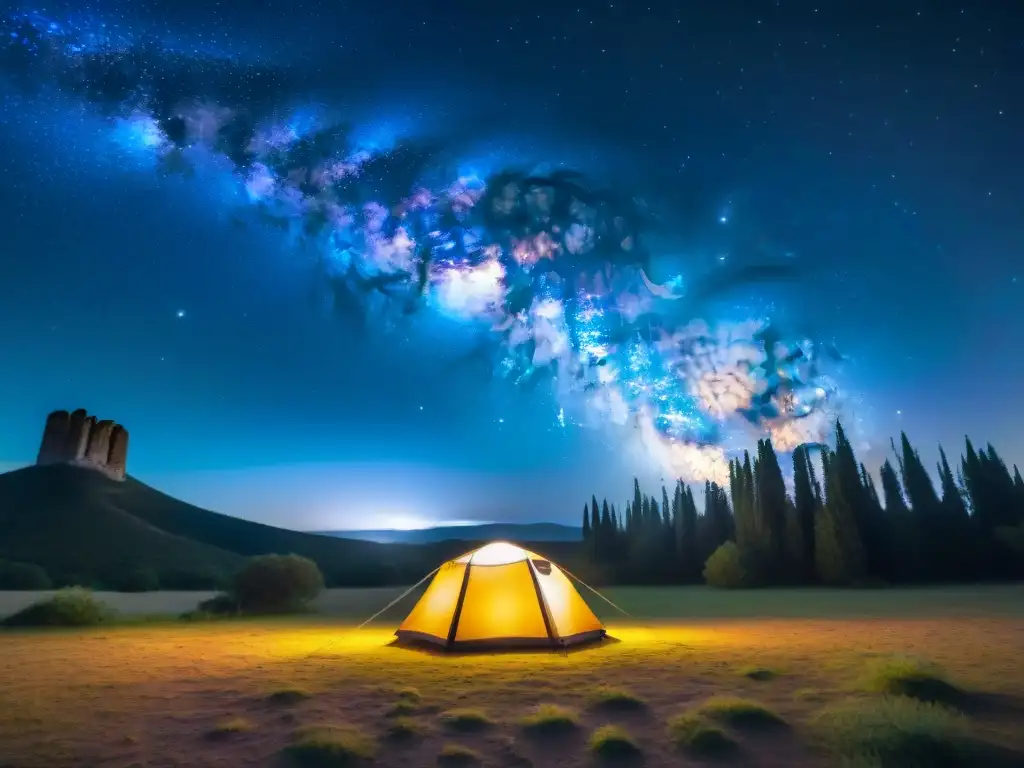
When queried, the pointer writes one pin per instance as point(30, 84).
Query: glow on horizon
point(404, 522)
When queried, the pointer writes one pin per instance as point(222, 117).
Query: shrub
point(277, 583)
point(23, 576)
point(71, 607)
point(724, 569)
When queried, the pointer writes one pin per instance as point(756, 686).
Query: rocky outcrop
point(77, 438)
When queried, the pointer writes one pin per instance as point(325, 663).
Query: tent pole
point(400, 597)
point(581, 581)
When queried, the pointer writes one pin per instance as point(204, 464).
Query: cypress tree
point(837, 545)
point(666, 512)
point(586, 523)
point(924, 502)
point(805, 503)
point(692, 562)
point(595, 518)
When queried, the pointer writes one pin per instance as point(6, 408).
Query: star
point(180, 313)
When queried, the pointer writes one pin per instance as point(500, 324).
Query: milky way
point(553, 268)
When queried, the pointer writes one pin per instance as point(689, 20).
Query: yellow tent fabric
point(500, 595)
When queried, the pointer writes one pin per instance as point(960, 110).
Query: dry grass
point(148, 694)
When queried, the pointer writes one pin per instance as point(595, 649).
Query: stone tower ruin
point(77, 438)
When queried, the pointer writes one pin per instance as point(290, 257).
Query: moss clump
point(611, 742)
point(741, 713)
point(897, 732)
point(693, 732)
point(914, 678)
point(466, 720)
point(550, 720)
point(330, 746)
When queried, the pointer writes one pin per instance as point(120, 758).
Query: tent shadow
point(429, 649)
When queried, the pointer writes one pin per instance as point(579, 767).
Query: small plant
point(404, 729)
point(230, 727)
point(70, 607)
point(466, 720)
point(277, 584)
point(742, 713)
point(23, 577)
point(896, 732)
point(288, 695)
point(617, 699)
point(693, 732)
point(761, 674)
point(724, 569)
point(330, 746)
point(456, 756)
point(612, 742)
point(906, 676)
point(549, 720)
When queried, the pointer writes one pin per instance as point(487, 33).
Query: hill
point(517, 532)
point(85, 528)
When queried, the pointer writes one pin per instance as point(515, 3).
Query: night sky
point(870, 148)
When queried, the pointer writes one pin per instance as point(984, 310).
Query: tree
point(277, 583)
point(838, 552)
point(586, 523)
point(805, 506)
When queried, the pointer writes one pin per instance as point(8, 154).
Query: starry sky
point(871, 147)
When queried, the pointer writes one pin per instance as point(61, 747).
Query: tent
point(500, 595)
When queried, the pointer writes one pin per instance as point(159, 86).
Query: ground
point(242, 692)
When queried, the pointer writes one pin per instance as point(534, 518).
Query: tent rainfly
point(500, 595)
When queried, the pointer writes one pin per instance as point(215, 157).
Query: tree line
point(835, 526)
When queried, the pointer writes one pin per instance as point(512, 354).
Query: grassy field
point(694, 677)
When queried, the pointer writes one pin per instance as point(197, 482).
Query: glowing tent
point(500, 595)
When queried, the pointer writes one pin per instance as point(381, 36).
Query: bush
point(276, 583)
point(724, 568)
point(71, 607)
point(23, 576)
